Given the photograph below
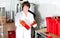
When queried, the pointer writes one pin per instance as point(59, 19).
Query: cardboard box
point(2, 20)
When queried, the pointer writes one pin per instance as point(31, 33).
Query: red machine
point(53, 26)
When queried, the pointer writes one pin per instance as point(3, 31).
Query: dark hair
point(25, 3)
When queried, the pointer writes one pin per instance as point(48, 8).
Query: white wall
point(8, 4)
point(4, 3)
point(48, 7)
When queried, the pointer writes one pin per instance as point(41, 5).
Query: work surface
point(48, 34)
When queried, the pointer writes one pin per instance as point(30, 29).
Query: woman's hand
point(22, 22)
point(34, 22)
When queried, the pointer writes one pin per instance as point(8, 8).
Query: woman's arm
point(34, 24)
point(23, 23)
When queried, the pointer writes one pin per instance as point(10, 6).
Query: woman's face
point(25, 8)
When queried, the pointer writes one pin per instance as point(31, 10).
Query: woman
point(24, 21)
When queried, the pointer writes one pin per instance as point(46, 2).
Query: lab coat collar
point(24, 14)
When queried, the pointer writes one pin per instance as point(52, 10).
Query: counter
point(43, 32)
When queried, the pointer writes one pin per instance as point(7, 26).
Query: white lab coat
point(21, 31)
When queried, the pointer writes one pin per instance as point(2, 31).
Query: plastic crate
point(11, 34)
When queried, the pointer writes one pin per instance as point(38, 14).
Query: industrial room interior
point(46, 13)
